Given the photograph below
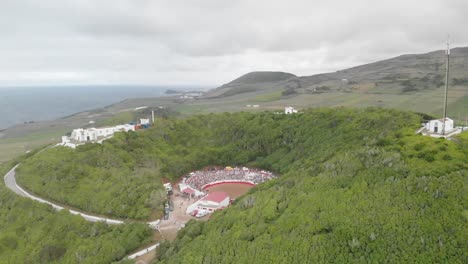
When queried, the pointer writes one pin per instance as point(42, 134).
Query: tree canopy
point(356, 186)
point(31, 232)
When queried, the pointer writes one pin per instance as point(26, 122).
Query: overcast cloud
point(210, 42)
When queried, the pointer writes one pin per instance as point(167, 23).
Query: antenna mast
point(446, 84)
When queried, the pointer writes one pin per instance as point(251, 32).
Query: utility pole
point(446, 84)
point(466, 121)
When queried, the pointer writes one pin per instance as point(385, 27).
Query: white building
point(289, 110)
point(66, 142)
point(94, 134)
point(211, 202)
point(144, 121)
point(436, 126)
point(82, 135)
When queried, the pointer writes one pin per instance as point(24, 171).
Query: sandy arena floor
point(234, 190)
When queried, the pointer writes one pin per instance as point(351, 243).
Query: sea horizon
point(22, 104)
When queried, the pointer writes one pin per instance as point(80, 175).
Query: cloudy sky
point(210, 42)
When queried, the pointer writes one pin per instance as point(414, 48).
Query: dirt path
point(177, 218)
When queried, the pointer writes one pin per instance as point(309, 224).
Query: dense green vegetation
point(356, 186)
point(35, 233)
point(103, 179)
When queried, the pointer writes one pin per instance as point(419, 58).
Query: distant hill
point(411, 82)
point(251, 82)
point(405, 73)
point(261, 77)
point(423, 71)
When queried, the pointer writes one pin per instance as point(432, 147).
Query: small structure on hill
point(144, 121)
point(436, 126)
point(212, 202)
point(442, 127)
point(289, 110)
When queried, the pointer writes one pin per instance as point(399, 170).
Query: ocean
point(23, 104)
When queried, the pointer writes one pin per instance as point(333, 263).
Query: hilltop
point(421, 71)
point(252, 82)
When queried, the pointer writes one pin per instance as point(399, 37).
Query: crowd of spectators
point(198, 179)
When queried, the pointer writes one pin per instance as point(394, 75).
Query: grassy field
point(274, 96)
point(459, 110)
point(117, 119)
point(13, 147)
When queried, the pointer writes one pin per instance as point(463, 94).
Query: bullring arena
point(213, 188)
point(226, 183)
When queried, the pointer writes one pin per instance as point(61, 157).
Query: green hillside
point(31, 232)
point(356, 185)
point(252, 82)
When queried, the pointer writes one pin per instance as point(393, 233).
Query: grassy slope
point(34, 233)
point(101, 179)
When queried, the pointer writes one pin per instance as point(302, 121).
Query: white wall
point(435, 126)
point(93, 134)
point(83, 135)
point(144, 121)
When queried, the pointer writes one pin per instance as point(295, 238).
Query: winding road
point(10, 182)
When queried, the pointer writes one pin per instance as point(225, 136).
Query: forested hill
point(356, 186)
point(31, 232)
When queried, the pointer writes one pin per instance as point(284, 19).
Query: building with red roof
point(211, 202)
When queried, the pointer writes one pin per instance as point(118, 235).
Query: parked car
point(166, 210)
point(201, 213)
point(166, 217)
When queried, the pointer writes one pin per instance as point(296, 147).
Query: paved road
point(10, 182)
point(144, 251)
